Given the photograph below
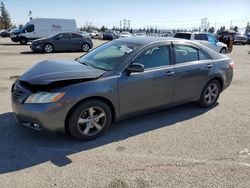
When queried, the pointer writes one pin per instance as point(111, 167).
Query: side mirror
point(135, 67)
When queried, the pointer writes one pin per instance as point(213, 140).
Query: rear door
point(76, 41)
point(61, 42)
point(193, 67)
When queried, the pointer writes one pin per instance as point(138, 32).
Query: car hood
point(47, 72)
point(40, 40)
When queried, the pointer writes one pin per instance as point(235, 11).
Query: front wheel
point(210, 94)
point(89, 120)
point(48, 48)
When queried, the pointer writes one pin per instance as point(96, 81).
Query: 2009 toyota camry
point(119, 79)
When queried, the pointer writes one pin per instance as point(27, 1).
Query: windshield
point(108, 56)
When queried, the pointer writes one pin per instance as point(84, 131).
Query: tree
point(103, 28)
point(235, 29)
point(211, 30)
point(222, 28)
point(151, 30)
point(131, 30)
point(247, 31)
point(156, 31)
point(5, 17)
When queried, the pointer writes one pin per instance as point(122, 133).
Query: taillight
point(231, 64)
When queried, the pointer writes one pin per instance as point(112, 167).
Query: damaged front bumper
point(43, 117)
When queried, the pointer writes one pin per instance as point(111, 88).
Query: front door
point(149, 89)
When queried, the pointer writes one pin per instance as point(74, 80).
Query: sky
point(164, 14)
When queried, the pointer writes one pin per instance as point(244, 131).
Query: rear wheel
point(85, 47)
point(23, 41)
point(48, 48)
point(89, 120)
point(210, 94)
point(223, 50)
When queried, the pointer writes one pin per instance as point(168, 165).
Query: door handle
point(209, 66)
point(170, 73)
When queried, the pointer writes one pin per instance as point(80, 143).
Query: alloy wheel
point(85, 47)
point(211, 93)
point(48, 48)
point(91, 121)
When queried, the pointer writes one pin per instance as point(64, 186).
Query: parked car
point(62, 42)
point(240, 39)
point(206, 39)
point(93, 33)
point(5, 33)
point(1, 31)
point(140, 35)
point(117, 80)
point(110, 35)
point(84, 33)
point(125, 34)
point(98, 36)
point(43, 27)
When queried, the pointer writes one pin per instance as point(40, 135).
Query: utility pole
point(30, 15)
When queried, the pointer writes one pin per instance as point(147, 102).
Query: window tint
point(63, 36)
point(183, 35)
point(200, 37)
point(202, 55)
point(108, 55)
point(30, 28)
point(75, 36)
point(212, 39)
point(154, 57)
point(185, 54)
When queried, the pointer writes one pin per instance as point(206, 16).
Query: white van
point(43, 27)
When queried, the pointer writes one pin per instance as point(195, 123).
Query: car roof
point(147, 40)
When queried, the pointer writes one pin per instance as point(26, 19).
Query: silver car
point(117, 80)
point(207, 39)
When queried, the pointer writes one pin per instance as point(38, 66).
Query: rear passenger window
point(154, 57)
point(185, 54)
point(183, 36)
point(76, 36)
point(203, 56)
point(200, 37)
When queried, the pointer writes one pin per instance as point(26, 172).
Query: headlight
point(44, 97)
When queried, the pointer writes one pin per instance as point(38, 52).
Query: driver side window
point(156, 56)
point(29, 29)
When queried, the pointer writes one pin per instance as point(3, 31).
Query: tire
point(223, 51)
point(210, 94)
point(48, 48)
point(89, 120)
point(23, 41)
point(85, 47)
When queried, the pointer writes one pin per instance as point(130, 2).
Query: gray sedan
point(117, 80)
point(62, 42)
